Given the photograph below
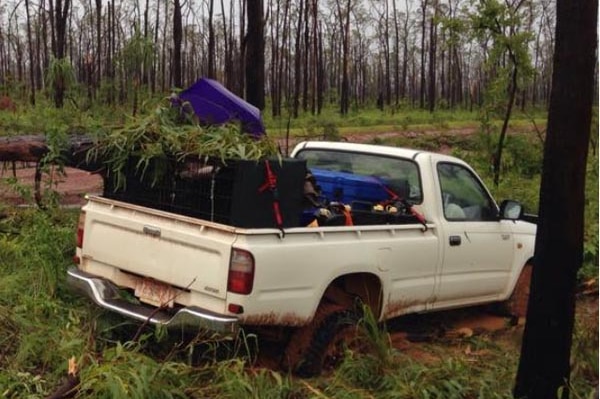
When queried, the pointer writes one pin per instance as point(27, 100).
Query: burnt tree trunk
point(211, 41)
point(298, 62)
point(255, 55)
point(98, 43)
point(432, 57)
point(177, 39)
point(31, 53)
point(60, 18)
point(544, 365)
point(423, 30)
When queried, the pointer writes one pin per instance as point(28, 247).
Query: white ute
point(190, 272)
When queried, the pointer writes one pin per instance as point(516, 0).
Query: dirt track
point(72, 186)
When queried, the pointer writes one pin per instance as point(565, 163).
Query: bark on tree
point(33, 148)
point(423, 30)
point(305, 79)
point(298, 62)
point(320, 71)
point(396, 55)
point(211, 41)
point(227, 55)
point(544, 365)
point(315, 59)
point(177, 39)
point(255, 55)
point(98, 43)
point(344, 19)
point(432, 57)
point(59, 35)
point(31, 60)
point(275, 59)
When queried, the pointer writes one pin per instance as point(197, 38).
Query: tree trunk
point(42, 36)
point(320, 72)
point(211, 41)
point(344, 19)
point(396, 55)
point(544, 365)
point(432, 58)
point(177, 39)
point(255, 55)
point(298, 62)
point(31, 53)
point(305, 74)
point(98, 43)
point(500, 147)
point(275, 60)
point(163, 62)
point(155, 55)
point(315, 59)
point(144, 66)
point(227, 51)
point(404, 81)
point(280, 80)
point(423, 30)
point(61, 14)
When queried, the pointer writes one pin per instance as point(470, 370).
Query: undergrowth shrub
point(234, 380)
point(123, 372)
point(47, 246)
point(584, 354)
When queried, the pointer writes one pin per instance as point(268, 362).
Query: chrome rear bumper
point(106, 295)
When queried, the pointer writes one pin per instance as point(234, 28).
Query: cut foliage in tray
point(170, 134)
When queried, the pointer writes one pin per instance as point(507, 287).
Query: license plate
point(155, 293)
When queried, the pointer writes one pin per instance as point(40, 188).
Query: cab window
point(463, 196)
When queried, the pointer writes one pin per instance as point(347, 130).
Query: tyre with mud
point(320, 344)
point(516, 304)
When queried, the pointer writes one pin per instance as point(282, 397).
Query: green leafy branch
point(169, 135)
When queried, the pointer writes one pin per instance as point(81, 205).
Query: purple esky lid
point(214, 104)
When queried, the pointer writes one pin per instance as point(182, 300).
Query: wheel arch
point(515, 278)
point(345, 289)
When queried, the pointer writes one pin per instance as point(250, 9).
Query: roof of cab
point(370, 149)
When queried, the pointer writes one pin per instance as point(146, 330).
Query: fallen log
point(33, 148)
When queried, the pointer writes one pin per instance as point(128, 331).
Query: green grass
point(375, 121)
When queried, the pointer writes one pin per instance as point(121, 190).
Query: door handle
point(454, 241)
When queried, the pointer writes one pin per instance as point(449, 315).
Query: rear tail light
point(79, 238)
point(80, 226)
point(241, 272)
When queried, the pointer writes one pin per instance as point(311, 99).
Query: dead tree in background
point(344, 20)
point(255, 55)
point(177, 39)
point(211, 41)
point(60, 14)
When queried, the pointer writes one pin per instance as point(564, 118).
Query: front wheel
point(320, 344)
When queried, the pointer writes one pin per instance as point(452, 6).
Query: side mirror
point(511, 210)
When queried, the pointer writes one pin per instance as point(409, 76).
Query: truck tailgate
point(183, 252)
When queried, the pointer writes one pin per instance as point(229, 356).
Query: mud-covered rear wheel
point(321, 343)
